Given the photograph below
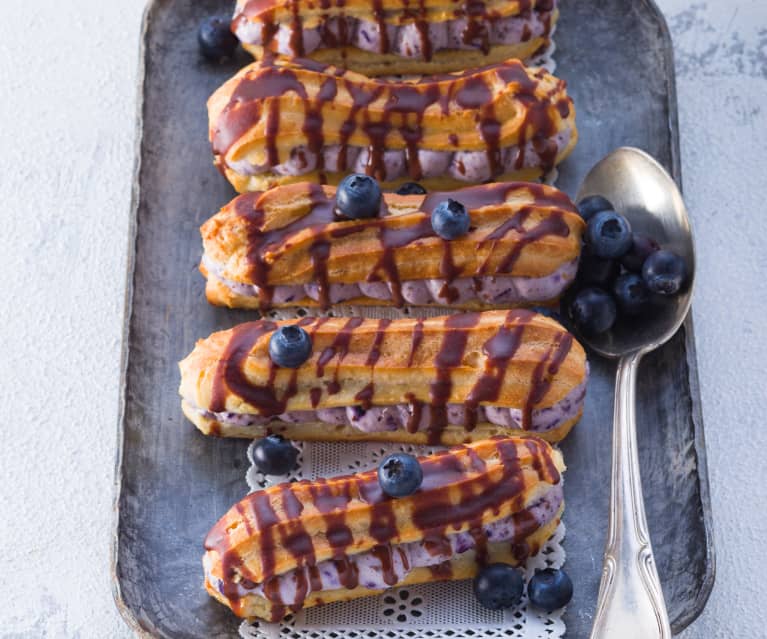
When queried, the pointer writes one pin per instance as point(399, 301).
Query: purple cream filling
point(405, 557)
point(405, 40)
point(502, 289)
point(378, 419)
point(466, 166)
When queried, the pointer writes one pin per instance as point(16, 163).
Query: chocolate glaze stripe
point(499, 350)
point(325, 227)
point(544, 373)
point(267, 83)
point(433, 510)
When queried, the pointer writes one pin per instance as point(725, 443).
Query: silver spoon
point(630, 604)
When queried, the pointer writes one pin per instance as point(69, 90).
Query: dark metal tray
point(173, 483)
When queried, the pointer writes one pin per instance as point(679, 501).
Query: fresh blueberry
point(450, 219)
point(664, 272)
point(608, 234)
point(550, 589)
point(400, 475)
point(597, 271)
point(411, 188)
point(216, 39)
point(290, 346)
point(498, 586)
point(358, 196)
point(592, 204)
point(641, 247)
point(593, 311)
point(631, 294)
point(274, 455)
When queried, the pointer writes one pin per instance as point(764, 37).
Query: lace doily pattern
point(424, 611)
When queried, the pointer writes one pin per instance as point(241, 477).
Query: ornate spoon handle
point(630, 604)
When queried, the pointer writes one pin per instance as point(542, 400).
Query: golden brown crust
point(464, 488)
point(274, 106)
point(517, 229)
point(231, 370)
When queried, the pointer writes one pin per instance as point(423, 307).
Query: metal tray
point(172, 483)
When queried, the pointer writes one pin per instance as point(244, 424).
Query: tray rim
point(128, 614)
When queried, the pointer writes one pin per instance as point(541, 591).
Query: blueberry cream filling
point(413, 418)
point(412, 39)
point(465, 166)
point(388, 564)
point(499, 289)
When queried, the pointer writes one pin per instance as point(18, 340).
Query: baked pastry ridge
point(279, 121)
point(300, 544)
point(286, 247)
point(443, 380)
point(397, 37)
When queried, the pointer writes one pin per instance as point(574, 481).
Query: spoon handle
point(630, 604)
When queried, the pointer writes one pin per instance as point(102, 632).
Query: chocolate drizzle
point(476, 34)
point(277, 516)
point(543, 374)
point(398, 122)
point(265, 248)
point(448, 357)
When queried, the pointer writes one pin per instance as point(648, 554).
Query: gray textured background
point(68, 77)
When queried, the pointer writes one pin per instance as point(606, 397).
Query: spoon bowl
point(641, 189)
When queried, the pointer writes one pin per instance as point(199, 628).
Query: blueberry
point(592, 204)
point(290, 346)
point(400, 475)
point(641, 247)
point(593, 311)
point(358, 196)
point(411, 188)
point(550, 589)
point(631, 294)
point(498, 586)
point(274, 455)
point(608, 234)
point(450, 219)
point(597, 270)
point(664, 272)
point(216, 39)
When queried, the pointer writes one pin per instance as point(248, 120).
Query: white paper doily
point(428, 611)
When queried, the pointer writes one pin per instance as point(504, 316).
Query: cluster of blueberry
point(621, 272)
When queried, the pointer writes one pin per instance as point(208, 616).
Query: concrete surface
point(67, 72)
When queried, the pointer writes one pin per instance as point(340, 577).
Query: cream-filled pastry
point(442, 380)
point(385, 37)
point(279, 121)
point(297, 545)
point(291, 246)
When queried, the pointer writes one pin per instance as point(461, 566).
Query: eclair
point(301, 544)
point(289, 247)
point(442, 380)
point(387, 37)
point(279, 121)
